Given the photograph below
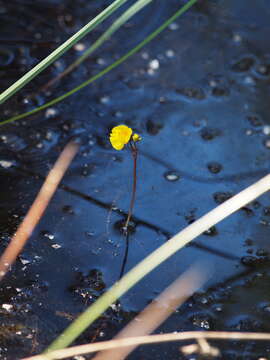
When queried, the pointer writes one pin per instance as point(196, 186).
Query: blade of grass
point(118, 62)
point(25, 79)
point(157, 257)
point(139, 5)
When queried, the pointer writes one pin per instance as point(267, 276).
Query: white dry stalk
point(152, 339)
point(147, 265)
point(158, 310)
point(202, 348)
point(205, 349)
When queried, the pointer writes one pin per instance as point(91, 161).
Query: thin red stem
point(134, 152)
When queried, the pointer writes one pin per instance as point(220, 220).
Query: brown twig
point(38, 207)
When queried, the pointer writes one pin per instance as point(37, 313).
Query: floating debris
point(7, 307)
point(47, 234)
point(266, 130)
point(56, 246)
point(79, 47)
point(214, 167)
point(104, 99)
point(6, 164)
point(154, 64)
point(172, 175)
point(173, 26)
point(50, 113)
point(237, 38)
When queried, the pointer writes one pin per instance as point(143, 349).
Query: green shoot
point(139, 5)
point(118, 62)
point(156, 258)
point(25, 79)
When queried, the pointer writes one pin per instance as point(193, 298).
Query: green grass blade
point(140, 4)
point(138, 272)
point(108, 68)
point(60, 51)
point(158, 256)
point(105, 36)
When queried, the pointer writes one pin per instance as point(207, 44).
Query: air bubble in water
point(50, 113)
point(172, 176)
point(154, 64)
point(48, 235)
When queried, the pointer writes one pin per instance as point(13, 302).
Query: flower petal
point(120, 135)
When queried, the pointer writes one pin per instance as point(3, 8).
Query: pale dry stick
point(152, 339)
point(38, 207)
point(157, 257)
point(158, 311)
point(205, 349)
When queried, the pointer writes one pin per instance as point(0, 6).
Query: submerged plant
point(120, 136)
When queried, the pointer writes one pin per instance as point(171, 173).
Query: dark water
point(199, 95)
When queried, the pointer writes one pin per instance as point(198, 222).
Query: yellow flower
point(120, 136)
point(136, 137)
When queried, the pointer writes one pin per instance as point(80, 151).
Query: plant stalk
point(134, 152)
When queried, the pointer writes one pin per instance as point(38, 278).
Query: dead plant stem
point(152, 339)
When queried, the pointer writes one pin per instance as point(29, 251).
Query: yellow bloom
point(120, 136)
point(136, 137)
